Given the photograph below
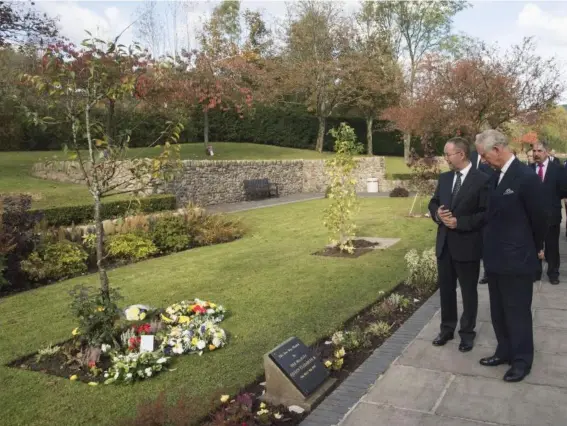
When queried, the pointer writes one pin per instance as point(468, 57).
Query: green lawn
point(15, 168)
point(396, 168)
point(269, 281)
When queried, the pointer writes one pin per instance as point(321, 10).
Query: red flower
point(92, 364)
point(198, 309)
point(144, 328)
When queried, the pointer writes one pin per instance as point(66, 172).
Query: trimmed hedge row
point(84, 213)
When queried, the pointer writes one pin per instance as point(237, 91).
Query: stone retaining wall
point(211, 182)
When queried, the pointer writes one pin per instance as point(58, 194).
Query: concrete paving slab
point(550, 340)
point(552, 318)
point(376, 415)
point(549, 299)
point(409, 387)
point(495, 401)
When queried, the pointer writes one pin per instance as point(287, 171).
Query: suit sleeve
point(477, 220)
point(434, 204)
point(534, 203)
point(562, 182)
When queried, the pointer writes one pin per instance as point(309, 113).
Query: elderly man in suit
point(516, 224)
point(458, 207)
point(554, 179)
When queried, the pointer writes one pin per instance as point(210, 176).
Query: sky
point(504, 22)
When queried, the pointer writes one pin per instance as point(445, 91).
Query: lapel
point(508, 178)
point(548, 173)
point(464, 188)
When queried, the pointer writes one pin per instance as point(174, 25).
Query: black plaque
point(300, 364)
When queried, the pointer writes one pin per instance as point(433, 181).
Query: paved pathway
point(270, 202)
point(429, 386)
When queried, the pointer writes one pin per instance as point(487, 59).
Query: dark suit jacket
point(469, 208)
point(516, 222)
point(555, 189)
point(483, 167)
point(556, 161)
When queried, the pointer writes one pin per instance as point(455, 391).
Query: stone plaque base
point(280, 390)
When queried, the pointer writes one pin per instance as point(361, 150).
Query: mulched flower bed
point(361, 247)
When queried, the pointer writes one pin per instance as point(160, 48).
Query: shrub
point(55, 261)
point(399, 192)
point(422, 270)
point(96, 316)
point(67, 215)
point(170, 233)
point(214, 229)
point(379, 329)
point(3, 265)
point(130, 247)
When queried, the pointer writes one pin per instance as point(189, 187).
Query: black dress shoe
point(442, 339)
point(483, 280)
point(493, 361)
point(516, 374)
point(554, 281)
point(465, 346)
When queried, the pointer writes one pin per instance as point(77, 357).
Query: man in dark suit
point(458, 207)
point(479, 164)
point(516, 224)
point(554, 178)
point(553, 158)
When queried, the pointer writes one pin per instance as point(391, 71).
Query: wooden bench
point(255, 189)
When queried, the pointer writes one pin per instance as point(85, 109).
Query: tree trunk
point(206, 126)
point(321, 134)
point(104, 287)
point(407, 147)
point(369, 147)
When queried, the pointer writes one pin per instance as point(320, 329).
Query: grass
point(269, 281)
point(396, 168)
point(15, 169)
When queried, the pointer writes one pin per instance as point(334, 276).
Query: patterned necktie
point(457, 186)
point(540, 171)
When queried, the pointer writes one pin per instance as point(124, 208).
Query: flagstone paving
point(427, 385)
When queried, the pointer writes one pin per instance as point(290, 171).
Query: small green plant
point(170, 233)
point(338, 217)
point(422, 270)
point(215, 229)
point(46, 352)
point(379, 329)
point(55, 261)
point(95, 314)
point(397, 301)
point(354, 339)
point(130, 247)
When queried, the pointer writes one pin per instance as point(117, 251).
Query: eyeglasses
point(449, 155)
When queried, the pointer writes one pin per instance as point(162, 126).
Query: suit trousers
point(467, 273)
point(511, 312)
point(551, 251)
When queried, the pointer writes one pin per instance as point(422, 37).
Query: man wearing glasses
point(458, 207)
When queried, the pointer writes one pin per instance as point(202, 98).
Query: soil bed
point(361, 247)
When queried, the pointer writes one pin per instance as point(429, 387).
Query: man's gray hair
point(490, 138)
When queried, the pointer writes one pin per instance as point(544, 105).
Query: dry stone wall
point(216, 181)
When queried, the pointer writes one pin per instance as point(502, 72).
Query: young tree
point(149, 27)
point(342, 188)
point(312, 69)
point(415, 29)
point(81, 79)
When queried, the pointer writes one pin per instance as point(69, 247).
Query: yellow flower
point(166, 319)
point(262, 406)
point(328, 364)
point(73, 377)
point(93, 383)
point(142, 315)
point(340, 353)
point(194, 341)
point(100, 308)
point(338, 363)
point(75, 331)
point(212, 305)
point(183, 319)
point(224, 398)
point(212, 347)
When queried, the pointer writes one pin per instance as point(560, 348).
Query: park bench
point(255, 189)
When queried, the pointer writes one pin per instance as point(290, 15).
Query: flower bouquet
point(193, 312)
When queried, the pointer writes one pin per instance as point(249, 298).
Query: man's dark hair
point(462, 145)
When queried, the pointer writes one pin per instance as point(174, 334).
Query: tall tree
point(22, 25)
point(312, 66)
point(415, 29)
point(149, 27)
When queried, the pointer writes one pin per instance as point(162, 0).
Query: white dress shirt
point(505, 168)
point(464, 173)
point(544, 164)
